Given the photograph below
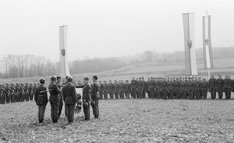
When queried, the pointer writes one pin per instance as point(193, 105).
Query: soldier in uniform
point(95, 97)
point(121, 89)
point(12, 92)
point(41, 99)
point(220, 86)
point(204, 85)
point(31, 93)
point(105, 90)
point(183, 88)
point(227, 87)
point(133, 88)
point(164, 89)
point(70, 99)
point(127, 89)
point(8, 93)
point(212, 86)
point(26, 92)
point(111, 89)
point(86, 98)
point(101, 90)
point(59, 84)
point(22, 95)
point(54, 99)
point(177, 89)
point(116, 88)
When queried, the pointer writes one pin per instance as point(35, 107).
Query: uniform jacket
point(95, 91)
point(41, 98)
point(54, 92)
point(86, 93)
point(69, 94)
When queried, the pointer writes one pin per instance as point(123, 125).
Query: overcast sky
point(106, 28)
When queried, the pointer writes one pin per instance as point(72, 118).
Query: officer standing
point(59, 84)
point(227, 87)
point(95, 97)
point(212, 86)
point(204, 88)
point(54, 99)
point(86, 98)
point(69, 96)
point(220, 86)
point(41, 99)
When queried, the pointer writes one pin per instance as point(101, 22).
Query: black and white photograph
point(116, 71)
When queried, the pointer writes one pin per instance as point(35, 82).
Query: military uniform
point(133, 88)
point(94, 99)
point(227, 87)
point(204, 87)
point(41, 99)
point(111, 90)
point(54, 101)
point(105, 90)
point(220, 87)
point(70, 98)
point(101, 90)
point(212, 87)
point(86, 101)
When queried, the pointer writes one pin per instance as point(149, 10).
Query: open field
point(142, 120)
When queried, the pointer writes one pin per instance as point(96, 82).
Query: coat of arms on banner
point(63, 52)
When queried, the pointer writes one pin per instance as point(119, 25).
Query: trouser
point(213, 93)
point(27, 97)
point(121, 95)
point(105, 95)
point(3, 99)
point(22, 98)
point(60, 107)
point(101, 94)
point(86, 110)
point(41, 112)
point(191, 94)
point(116, 95)
point(197, 93)
point(177, 93)
point(54, 110)
point(204, 94)
point(31, 96)
point(8, 98)
point(69, 109)
point(127, 94)
point(133, 93)
point(170, 93)
point(12, 98)
point(111, 95)
point(143, 93)
point(95, 109)
point(220, 92)
point(227, 93)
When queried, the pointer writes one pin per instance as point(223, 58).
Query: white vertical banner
point(189, 42)
point(64, 68)
point(207, 49)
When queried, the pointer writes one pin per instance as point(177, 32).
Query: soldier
point(22, 94)
point(86, 98)
point(204, 85)
point(164, 89)
point(212, 86)
point(197, 89)
point(227, 87)
point(177, 89)
point(116, 88)
point(54, 99)
point(105, 90)
point(133, 88)
point(183, 88)
point(111, 89)
point(59, 84)
point(69, 97)
point(101, 90)
point(41, 99)
point(220, 86)
point(12, 92)
point(8, 93)
point(95, 97)
point(31, 93)
point(121, 89)
point(27, 96)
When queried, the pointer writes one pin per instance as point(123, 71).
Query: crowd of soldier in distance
point(10, 93)
point(158, 88)
point(168, 88)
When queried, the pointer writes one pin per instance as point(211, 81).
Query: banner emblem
point(63, 52)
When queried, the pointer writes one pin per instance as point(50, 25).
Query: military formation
point(168, 88)
point(11, 93)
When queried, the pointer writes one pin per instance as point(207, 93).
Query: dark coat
point(86, 93)
point(95, 91)
point(69, 94)
point(54, 92)
point(41, 97)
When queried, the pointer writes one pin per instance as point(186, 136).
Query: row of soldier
point(168, 88)
point(10, 93)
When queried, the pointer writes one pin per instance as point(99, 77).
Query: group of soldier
point(168, 88)
point(66, 93)
point(10, 93)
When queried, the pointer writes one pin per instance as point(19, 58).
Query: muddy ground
point(139, 120)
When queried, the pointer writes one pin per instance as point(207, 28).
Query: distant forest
point(14, 66)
